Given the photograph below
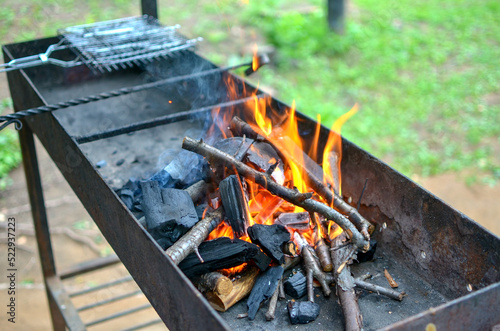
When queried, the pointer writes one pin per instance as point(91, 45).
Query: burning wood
point(299, 199)
point(235, 204)
point(271, 238)
point(190, 241)
point(313, 175)
point(222, 253)
point(298, 221)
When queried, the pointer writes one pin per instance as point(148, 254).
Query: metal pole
point(336, 11)
point(149, 7)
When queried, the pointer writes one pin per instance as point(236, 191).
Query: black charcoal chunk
point(170, 213)
point(235, 146)
point(302, 312)
point(296, 285)
point(184, 170)
point(223, 253)
point(271, 239)
point(368, 256)
point(264, 156)
point(264, 287)
point(235, 204)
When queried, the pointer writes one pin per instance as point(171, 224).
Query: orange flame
point(281, 129)
point(255, 59)
point(331, 172)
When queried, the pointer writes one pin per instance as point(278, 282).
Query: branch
point(345, 286)
point(311, 171)
point(216, 156)
point(189, 242)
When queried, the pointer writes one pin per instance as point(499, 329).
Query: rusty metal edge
point(479, 310)
point(169, 291)
point(56, 290)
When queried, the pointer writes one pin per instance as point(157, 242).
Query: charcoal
point(271, 239)
point(184, 170)
point(200, 210)
point(264, 156)
point(170, 213)
point(263, 289)
point(235, 146)
point(296, 285)
point(131, 195)
point(235, 204)
point(299, 221)
point(302, 312)
point(223, 253)
point(368, 256)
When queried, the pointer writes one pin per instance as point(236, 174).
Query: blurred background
point(425, 75)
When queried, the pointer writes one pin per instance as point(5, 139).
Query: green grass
point(422, 74)
point(10, 155)
point(425, 74)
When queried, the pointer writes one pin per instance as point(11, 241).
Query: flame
point(255, 59)
point(282, 129)
point(334, 144)
point(261, 119)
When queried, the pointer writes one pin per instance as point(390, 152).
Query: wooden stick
point(241, 288)
point(214, 281)
point(198, 190)
point(271, 311)
point(312, 172)
point(312, 268)
point(299, 199)
point(380, 289)
point(189, 243)
point(345, 286)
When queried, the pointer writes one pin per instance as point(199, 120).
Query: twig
point(189, 242)
point(380, 289)
point(239, 127)
point(216, 156)
point(345, 287)
point(312, 268)
point(271, 311)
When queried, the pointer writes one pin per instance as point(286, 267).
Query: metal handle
point(40, 59)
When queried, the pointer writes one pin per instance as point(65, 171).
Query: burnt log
point(169, 213)
point(263, 289)
point(214, 281)
point(390, 293)
point(271, 238)
point(296, 285)
point(235, 204)
point(302, 312)
point(223, 253)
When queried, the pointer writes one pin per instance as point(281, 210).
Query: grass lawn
point(425, 74)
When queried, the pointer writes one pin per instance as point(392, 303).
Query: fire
point(255, 59)
point(281, 129)
point(331, 172)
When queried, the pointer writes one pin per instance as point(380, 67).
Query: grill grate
point(111, 45)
